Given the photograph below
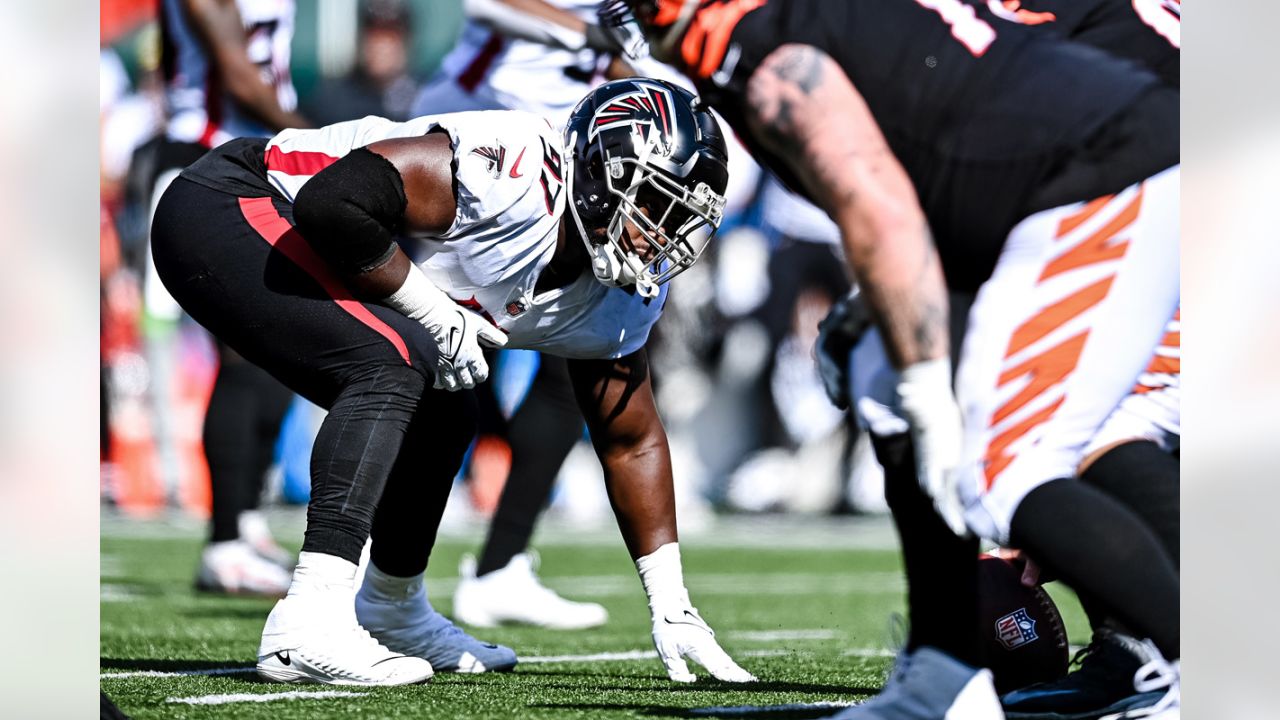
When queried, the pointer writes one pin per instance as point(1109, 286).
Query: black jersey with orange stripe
point(981, 112)
point(1148, 32)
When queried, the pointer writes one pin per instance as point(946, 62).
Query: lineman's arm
point(218, 25)
point(804, 107)
point(616, 398)
point(541, 22)
point(847, 168)
point(351, 213)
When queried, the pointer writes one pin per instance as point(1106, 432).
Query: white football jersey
point(199, 111)
point(511, 197)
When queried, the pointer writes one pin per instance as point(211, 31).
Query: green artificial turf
point(812, 624)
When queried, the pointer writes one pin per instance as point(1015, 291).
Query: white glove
point(678, 629)
point(457, 331)
point(927, 402)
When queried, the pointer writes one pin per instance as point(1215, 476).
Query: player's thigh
point(1057, 338)
point(238, 267)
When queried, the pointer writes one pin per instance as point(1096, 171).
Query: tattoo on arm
point(802, 106)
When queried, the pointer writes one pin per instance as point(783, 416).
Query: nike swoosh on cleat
point(283, 656)
point(516, 164)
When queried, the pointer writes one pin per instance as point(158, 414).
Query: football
point(1022, 631)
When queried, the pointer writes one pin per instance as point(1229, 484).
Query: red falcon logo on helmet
point(648, 105)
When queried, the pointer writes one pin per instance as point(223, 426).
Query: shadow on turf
point(752, 711)
point(707, 685)
point(168, 665)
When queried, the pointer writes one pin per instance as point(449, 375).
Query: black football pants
point(386, 455)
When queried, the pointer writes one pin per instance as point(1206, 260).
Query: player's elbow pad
point(351, 211)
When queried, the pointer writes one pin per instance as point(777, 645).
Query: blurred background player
point(902, 170)
point(226, 68)
point(379, 83)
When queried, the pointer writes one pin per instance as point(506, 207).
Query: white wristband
point(663, 577)
point(418, 297)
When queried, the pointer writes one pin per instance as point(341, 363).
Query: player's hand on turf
point(679, 632)
point(458, 334)
point(927, 402)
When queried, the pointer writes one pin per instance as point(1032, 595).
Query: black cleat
point(1102, 680)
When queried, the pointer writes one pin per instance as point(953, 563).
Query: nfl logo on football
point(1016, 629)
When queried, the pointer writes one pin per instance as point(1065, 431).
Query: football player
point(286, 249)
point(1040, 175)
point(1132, 457)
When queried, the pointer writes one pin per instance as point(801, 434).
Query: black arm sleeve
point(351, 211)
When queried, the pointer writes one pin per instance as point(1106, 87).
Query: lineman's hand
point(678, 631)
point(458, 334)
point(927, 402)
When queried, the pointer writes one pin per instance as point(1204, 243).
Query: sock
point(1104, 550)
point(319, 572)
point(381, 587)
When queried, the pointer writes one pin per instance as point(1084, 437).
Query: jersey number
point(552, 177)
point(1163, 16)
point(972, 31)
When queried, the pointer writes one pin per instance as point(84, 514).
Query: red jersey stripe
point(262, 215)
point(297, 162)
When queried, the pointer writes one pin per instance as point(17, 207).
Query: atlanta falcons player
point(286, 248)
point(956, 150)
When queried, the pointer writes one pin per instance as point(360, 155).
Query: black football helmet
point(650, 153)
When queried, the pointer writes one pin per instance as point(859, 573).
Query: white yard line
point(112, 592)
point(262, 697)
point(869, 652)
point(776, 635)
point(175, 673)
point(597, 657)
point(736, 710)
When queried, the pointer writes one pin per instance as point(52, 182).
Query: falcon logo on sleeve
point(494, 158)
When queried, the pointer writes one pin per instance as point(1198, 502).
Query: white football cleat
point(232, 567)
point(315, 638)
point(398, 614)
point(514, 595)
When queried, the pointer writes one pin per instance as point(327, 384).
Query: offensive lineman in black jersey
point(1042, 172)
point(1139, 472)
